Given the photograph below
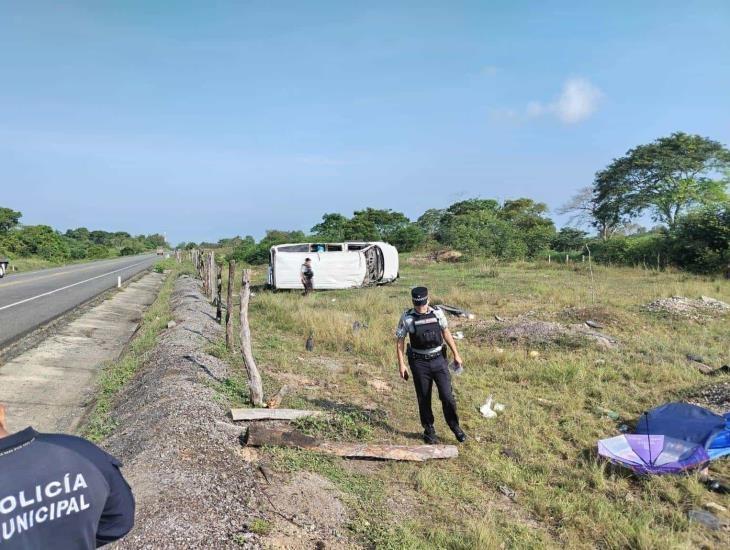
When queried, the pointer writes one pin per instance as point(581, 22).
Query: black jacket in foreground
point(60, 491)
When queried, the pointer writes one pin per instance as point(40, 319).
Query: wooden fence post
point(229, 304)
point(211, 276)
point(204, 273)
point(219, 288)
point(254, 378)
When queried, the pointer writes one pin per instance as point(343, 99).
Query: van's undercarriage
point(375, 267)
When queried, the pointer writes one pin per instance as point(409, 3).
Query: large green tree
point(371, 224)
point(332, 228)
point(569, 239)
point(430, 221)
point(384, 222)
point(667, 177)
point(529, 220)
point(9, 219)
point(517, 229)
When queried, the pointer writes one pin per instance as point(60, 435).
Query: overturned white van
point(335, 265)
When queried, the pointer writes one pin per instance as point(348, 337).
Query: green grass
point(100, 423)
point(33, 263)
point(566, 497)
point(260, 526)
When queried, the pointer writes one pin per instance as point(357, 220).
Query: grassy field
point(30, 264)
point(34, 263)
point(542, 447)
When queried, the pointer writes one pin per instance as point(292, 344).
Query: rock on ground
point(179, 452)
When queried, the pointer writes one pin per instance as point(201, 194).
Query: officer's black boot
point(459, 433)
point(429, 435)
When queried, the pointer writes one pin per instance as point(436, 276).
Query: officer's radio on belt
point(427, 329)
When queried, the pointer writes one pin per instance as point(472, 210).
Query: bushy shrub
point(97, 251)
point(407, 237)
point(701, 239)
point(647, 249)
point(41, 240)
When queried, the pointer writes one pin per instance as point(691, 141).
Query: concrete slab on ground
point(48, 387)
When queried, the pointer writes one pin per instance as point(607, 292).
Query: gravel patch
point(180, 454)
point(546, 333)
point(715, 397)
point(702, 308)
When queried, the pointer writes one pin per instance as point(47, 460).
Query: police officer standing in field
point(307, 276)
point(428, 330)
point(59, 491)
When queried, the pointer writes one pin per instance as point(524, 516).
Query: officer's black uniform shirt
point(61, 492)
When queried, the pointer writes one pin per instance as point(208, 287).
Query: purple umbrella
point(653, 454)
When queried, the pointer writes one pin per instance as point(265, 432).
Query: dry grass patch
point(541, 447)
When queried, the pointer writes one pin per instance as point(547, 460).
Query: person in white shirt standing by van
point(307, 276)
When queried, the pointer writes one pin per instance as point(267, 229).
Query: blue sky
point(209, 119)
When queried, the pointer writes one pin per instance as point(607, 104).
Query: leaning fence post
point(254, 379)
point(229, 304)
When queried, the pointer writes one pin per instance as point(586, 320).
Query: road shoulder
point(50, 385)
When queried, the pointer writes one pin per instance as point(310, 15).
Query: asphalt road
point(28, 300)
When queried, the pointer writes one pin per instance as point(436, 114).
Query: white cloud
point(489, 70)
point(578, 100)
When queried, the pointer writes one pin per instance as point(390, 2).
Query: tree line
point(680, 181)
point(42, 241)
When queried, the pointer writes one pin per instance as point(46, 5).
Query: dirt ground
point(195, 486)
point(192, 489)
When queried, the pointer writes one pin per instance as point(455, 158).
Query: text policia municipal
point(48, 502)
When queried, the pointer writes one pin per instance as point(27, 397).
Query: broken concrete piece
point(171, 324)
point(271, 414)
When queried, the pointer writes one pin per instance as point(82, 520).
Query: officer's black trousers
point(425, 373)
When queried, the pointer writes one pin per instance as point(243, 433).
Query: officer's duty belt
point(429, 355)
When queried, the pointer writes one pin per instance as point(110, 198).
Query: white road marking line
point(69, 286)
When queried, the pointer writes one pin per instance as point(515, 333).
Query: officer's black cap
point(419, 295)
